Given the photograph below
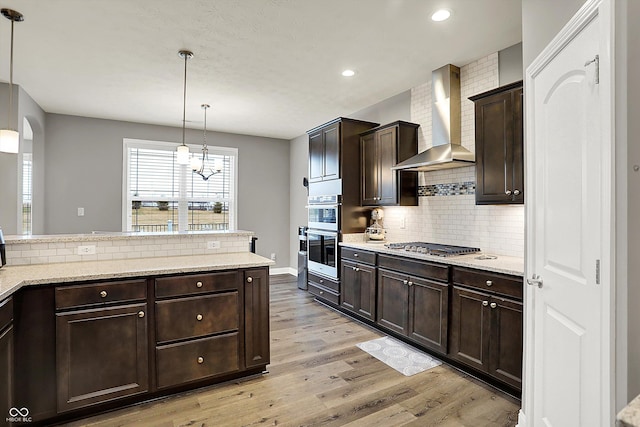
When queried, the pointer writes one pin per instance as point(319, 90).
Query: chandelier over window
point(200, 166)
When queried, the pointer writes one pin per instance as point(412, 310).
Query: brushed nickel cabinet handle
point(141, 314)
point(355, 255)
point(249, 279)
point(199, 317)
point(103, 294)
point(321, 281)
point(485, 303)
point(200, 360)
point(489, 283)
point(321, 292)
point(493, 305)
point(405, 282)
point(198, 284)
point(410, 283)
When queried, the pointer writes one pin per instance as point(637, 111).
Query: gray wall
point(510, 64)
point(298, 169)
point(398, 107)
point(84, 169)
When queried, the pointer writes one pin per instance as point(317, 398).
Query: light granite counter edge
point(502, 264)
point(13, 278)
point(629, 416)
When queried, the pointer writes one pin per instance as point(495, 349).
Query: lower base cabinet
point(256, 317)
point(359, 289)
point(6, 358)
point(102, 354)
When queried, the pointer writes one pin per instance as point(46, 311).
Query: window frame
point(129, 143)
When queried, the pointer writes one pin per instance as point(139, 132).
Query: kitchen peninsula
point(127, 318)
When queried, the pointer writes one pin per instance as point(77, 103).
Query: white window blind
point(152, 186)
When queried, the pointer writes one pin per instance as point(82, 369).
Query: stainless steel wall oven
point(322, 250)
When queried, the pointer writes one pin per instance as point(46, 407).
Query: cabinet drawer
point(324, 294)
point(196, 284)
point(334, 285)
point(100, 293)
point(197, 359)
point(424, 269)
point(489, 282)
point(196, 316)
point(358, 255)
point(6, 313)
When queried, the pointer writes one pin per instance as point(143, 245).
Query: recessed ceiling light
point(441, 15)
point(348, 73)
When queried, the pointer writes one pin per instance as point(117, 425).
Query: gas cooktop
point(433, 248)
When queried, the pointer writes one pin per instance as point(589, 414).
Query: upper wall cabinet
point(499, 146)
point(330, 145)
point(381, 149)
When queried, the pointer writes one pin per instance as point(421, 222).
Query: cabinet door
point(470, 327)
point(494, 145)
point(6, 371)
point(316, 157)
point(387, 158)
point(393, 301)
point(428, 313)
point(102, 355)
point(369, 159)
point(517, 170)
point(366, 298)
point(331, 141)
point(506, 341)
point(256, 317)
point(350, 282)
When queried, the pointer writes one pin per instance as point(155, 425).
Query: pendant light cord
point(184, 98)
point(10, 124)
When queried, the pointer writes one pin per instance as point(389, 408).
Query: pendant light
point(198, 166)
point(9, 138)
point(183, 150)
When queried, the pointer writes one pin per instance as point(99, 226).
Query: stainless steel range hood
point(447, 151)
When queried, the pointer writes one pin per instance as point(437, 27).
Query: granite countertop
point(13, 278)
point(502, 264)
point(629, 416)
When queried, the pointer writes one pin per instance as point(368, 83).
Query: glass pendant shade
point(183, 155)
point(9, 141)
point(196, 163)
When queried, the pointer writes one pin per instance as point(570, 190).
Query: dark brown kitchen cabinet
point(359, 288)
point(486, 327)
point(6, 357)
point(333, 153)
point(499, 145)
point(256, 313)
point(382, 148)
point(102, 354)
point(414, 307)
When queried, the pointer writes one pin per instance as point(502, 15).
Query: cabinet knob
point(141, 314)
point(489, 283)
point(508, 192)
point(493, 305)
point(353, 268)
point(198, 284)
point(410, 283)
point(103, 294)
point(199, 317)
point(356, 269)
point(405, 282)
point(355, 255)
point(485, 303)
point(200, 360)
point(249, 279)
point(516, 192)
point(321, 292)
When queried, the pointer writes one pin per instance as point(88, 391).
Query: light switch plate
point(214, 244)
point(87, 250)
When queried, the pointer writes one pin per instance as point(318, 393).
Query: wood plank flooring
point(318, 377)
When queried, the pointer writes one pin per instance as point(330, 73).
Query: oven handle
point(322, 233)
point(337, 205)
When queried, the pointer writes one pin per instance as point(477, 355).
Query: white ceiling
point(267, 67)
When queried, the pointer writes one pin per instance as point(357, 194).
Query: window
point(27, 192)
point(161, 195)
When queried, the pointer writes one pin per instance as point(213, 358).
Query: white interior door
point(567, 373)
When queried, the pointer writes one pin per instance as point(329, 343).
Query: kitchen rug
point(400, 356)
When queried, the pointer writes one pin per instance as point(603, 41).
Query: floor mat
point(400, 356)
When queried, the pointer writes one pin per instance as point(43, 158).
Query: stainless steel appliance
point(433, 248)
point(324, 212)
point(3, 253)
point(322, 252)
point(302, 258)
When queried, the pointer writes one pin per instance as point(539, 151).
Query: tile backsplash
point(447, 212)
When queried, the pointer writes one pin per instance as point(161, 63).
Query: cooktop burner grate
point(433, 248)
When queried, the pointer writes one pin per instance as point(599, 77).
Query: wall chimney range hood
point(447, 151)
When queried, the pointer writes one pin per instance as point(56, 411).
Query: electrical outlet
point(214, 244)
point(80, 211)
point(403, 222)
point(273, 256)
point(87, 250)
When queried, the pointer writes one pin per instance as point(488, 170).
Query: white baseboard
point(283, 270)
point(522, 421)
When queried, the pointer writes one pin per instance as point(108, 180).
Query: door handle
point(535, 281)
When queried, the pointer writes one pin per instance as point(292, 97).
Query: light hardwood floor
point(318, 377)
